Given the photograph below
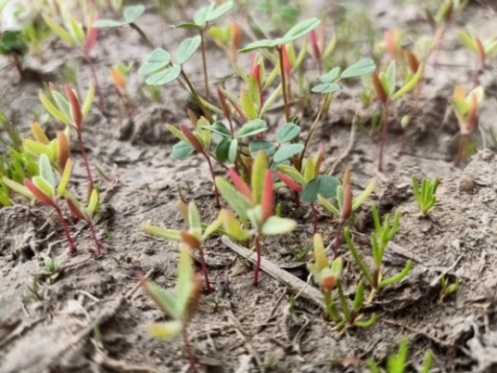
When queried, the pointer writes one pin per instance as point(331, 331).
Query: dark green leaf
point(251, 128)
point(287, 132)
point(310, 191)
point(287, 151)
point(326, 88)
point(268, 147)
point(222, 150)
point(330, 76)
point(181, 150)
point(233, 150)
point(217, 12)
point(187, 48)
point(13, 42)
point(220, 128)
point(107, 23)
point(300, 29)
point(155, 61)
point(132, 13)
point(165, 76)
point(328, 186)
point(362, 67)
point(189, 26)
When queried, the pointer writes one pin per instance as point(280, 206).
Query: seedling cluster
point(253, 159)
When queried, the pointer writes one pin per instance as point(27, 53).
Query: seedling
point(447, 289)
point(131, 14)
point(425, 194)
point(193, 237)
point(297, 31)
point(179, 304)
point(201, 20)
point(118, 75)
point(328, 275)
point(228, 38)
point(483, 49)
point(52, 268)
point(73, 33)
point(255, 205)
point(384, 84)
point(466, 109)
point(308, 184)
point(13, 44)
point(380, 238)
point(345, 205)
point(397, 363)
point(70, 112)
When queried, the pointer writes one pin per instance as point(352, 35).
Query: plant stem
point(87, 164)
point(311, 131)
point(213, 175)
point(314, 219)
point(204, 64)
point(101, 103)
point(188, 350)
point(297, 200)
point(144, 37)
point(384, 133)
point(258, 262)
point(196, 97)
point(460, 150)
point(283, 84)
point(208, 288)
point(72, 247)
point(95, 238)
point(338, 239)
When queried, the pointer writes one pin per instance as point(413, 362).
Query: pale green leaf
point(276, 225)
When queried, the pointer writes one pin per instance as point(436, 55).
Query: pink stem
point(101, 103)
point(189, 353)
point(95, 238)
point(208, 288)
point(72, 247)
point(87, 164)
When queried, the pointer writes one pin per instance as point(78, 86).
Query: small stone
point(149, 251)
point(467, 185)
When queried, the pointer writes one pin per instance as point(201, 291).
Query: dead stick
point(289, 280)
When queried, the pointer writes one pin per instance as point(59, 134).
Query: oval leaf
point(107, 23)
point(362, 67)
point(330, 76)
point(182, 150)
point(164, 77)
point(132, 13)
point(158, 59)
point(287, 132)
point(300, 29)
point(252, 128)
point(276, 225)
point(287, 151)
point(268, 147)
point(46, 171)
point(187, 48)
point(222, 150)
point(217, 12)
point(326, 88)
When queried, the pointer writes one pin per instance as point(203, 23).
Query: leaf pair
point(207, 14)
point(466, 108)
point(130, 15)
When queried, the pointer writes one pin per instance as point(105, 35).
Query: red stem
point(283, 84)
point(384, 133)
point(297, 200)
point(208, 158)
point(314, 219)
point(208, 288)
point(95, 238)
point(87, 164)
point(338, 238)
point(258, 262)
point(72, 247)
point(101, 103)
point(191, 358)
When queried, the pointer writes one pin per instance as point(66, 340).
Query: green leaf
point(362, 67)
point(259, 44)
point(310, 191)
point(391, 77)
point(219, 128)
point(64, 179)
point(287, 151)
point(233, 150)
point(187, 48)
point(158, 59)
point(164, 299)
point(291, 172)
point(257, 145)
point(165, 330)
point(217, 12)
point(189, 26)
point(201, 15)
point(276, 225)
point(164, 77)
point(330, 76)
point(300, 29)
point(184, 285)
point(181, 150)
point(258, 176)
point(287, 132)
point(46, 171)
point(44, 186)
point(18, 188)
point(194, 216)
point(76, 29)
point(410, 84)
point(326, 88)
point(58, 30)
point(53, 110)
point(251, 128)
point(236, 200)
point(107, 23)
point(90, 95)
point(328, 185)
point(222, 150)
point(167, 234)
point(132, 13)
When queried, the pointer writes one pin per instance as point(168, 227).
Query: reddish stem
point(460, 150)
point(384, 133)
point(258, 262)
point(283, 84)
point(338, 239)
point(208, 158)
point(101, 103)
point(297, 200)
point(87, 164)
point(95, 238)
point(72, 247)
point(188, 349)
point(314, 219)
point(208, 288)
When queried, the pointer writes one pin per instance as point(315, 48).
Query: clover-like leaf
point(158, 59)
point(287, 151)
point(326, 88)
point(187, 48)
point(251, 128)
point(132, 13)
point(362, 67)
point(287, 132)
point(182, 150)
point(164, 77)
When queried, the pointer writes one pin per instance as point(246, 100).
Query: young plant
point(425, 194)
point(198, 140)
point(73, 33)
point(254, 205)
point(179, 304)
point(201, 20)
point(328, 276)
point(194, 237)
point(118, 75)
point(308, 184)
point(380, 238)
point(345, 205)
point(131, 14)
point(466, 109)
point(13, 45)
point(397, 363)
point(296, 32)
point(52, 268)
point(483, 49)
point(72, 113)
point(385, 87)
point(447, 289)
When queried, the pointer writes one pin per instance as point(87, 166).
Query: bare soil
point(241, 328)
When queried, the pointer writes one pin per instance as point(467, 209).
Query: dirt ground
point(241, 328)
